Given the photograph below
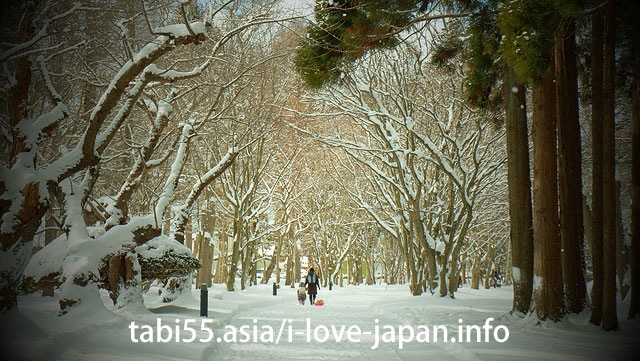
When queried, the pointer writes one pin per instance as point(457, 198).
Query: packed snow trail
point(393, 305)
point(93, 332)
point(342, 307)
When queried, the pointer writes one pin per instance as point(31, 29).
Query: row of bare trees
point(105, 116)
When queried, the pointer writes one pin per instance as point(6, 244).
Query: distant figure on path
point(302, 295)
point(312, 285)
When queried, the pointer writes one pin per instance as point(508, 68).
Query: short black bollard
point(275, 289)
point(204, 300)
point(330, 285)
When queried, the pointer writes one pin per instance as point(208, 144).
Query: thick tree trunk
point(609, 316)
point(371, 269)
point(508, 272)
point(221, 267)
point(464, 270)
point(414, 285)
point(289, 271)
point(622, 251)
point(634, 307)
point(266, 275)
point(430, 258)
point(569, 168)
point(243, 269)
point(188, 236)
point(547, 290)
point(206, 257)
point(588, 223)
point(297, 268)
point(475, 273)
point(206, 247)
point(596, 144)
point(278, 253)
point(519, 180)
point(454, 273)
point(488, 275)
point(444, 270)
point(233, 266)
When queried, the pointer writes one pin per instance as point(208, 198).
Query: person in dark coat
point(312, 285)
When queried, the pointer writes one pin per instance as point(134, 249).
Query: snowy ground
point(88, 334)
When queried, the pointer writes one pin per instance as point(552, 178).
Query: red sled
point(319, 303)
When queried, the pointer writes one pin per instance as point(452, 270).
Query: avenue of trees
point(427, 143)
point(512, 49)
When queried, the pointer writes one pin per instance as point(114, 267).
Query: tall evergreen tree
point(548, 286)
point(520, 213)
point(528, 46)
point(597, 31)
point(569, 166)
point(609, 315)
point(634, 307)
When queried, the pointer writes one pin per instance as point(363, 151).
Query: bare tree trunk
point(475, 273)
point(221, 268)
point(634, 307)
point(243, 269)
point(289, 271)
point(188, 236)
point(622, 251)
point(430, 255)
point(547, 290)
point(508, 272)
point(278, 253)
point(266, 275)
point(206, 257)
point(519, 181)
point(454, 273)
point(371, 269)
point(569, 168)
point(609, 316)
point(588, 223)
point(121, 274)
point(444, 270)
point(233, 266)
point(297, 269)
point(206, 247)
point(464, 270)
point(596, 143)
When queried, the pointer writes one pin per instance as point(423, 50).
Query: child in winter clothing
point(302, 295)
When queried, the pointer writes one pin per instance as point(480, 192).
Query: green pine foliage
point(474, 40)
point(344, 30)
point(448, 46)
point(528, 28)
point(483, 52)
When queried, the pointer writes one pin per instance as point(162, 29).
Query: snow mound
point(164, 257)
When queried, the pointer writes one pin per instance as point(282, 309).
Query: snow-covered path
point(343, 307)
point(572, 339)
point(94, 334)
